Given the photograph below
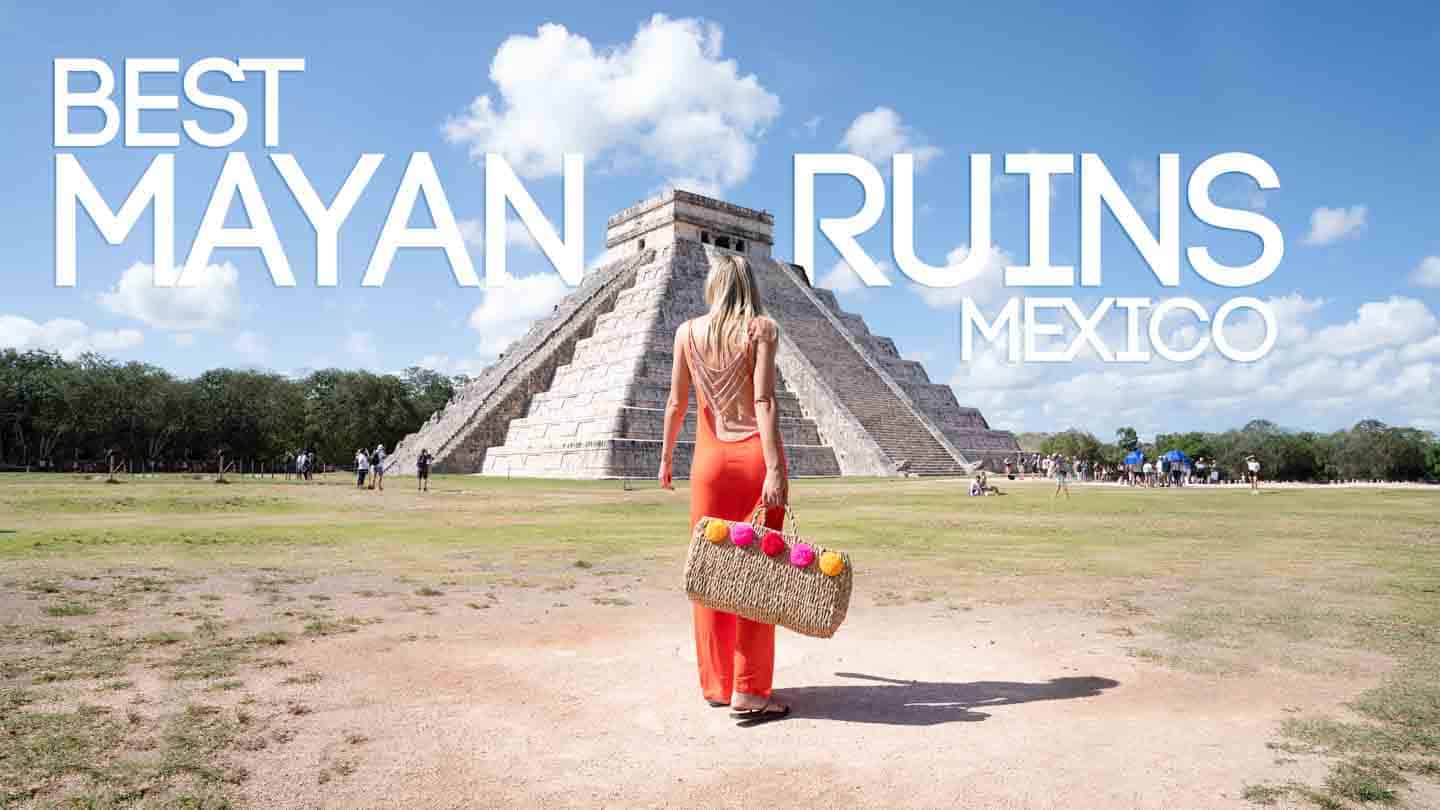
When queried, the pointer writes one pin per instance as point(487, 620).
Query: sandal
point(769, 712)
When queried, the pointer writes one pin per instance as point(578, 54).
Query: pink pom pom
point(802, 555)
point(742, 534)
point(771, 544)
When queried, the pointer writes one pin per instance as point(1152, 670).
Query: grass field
point(148, 628)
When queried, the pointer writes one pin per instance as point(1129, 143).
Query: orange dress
point(726, 478)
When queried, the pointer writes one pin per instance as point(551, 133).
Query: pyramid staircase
point(604, 412)
point(583, 393)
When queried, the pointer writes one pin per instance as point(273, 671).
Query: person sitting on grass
point(422, 471)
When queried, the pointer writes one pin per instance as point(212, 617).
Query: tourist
point(362, 467)
point(1200, 467)
point(300, 466)
point(1060, 468)
point(738, 465)
point(377, 467)
point(422, 471)
point(1147, 472)
point(1009, 469)
point(1253, 465)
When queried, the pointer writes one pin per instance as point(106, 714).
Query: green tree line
point(1369, 451)
point(57, 412)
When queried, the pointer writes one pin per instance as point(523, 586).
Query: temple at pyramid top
point(582, 393)
point(672, 215)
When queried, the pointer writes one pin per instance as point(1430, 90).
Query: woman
point(739, 464)
point(362, 467)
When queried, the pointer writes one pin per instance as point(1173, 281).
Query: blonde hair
point(734, 300)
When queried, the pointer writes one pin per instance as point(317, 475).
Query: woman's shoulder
point(764, 329)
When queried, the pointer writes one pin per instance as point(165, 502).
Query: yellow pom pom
point(717, 531)
point(831, 564)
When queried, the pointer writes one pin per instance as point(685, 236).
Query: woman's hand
point(776, 491)
point(665, 475)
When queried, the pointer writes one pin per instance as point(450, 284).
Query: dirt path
point(548, 700)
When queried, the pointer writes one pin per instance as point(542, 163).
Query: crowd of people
point(370, 469)
point(1164, 471)
point(302, 465)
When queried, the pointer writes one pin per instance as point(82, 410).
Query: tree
point(1127, 439)
point(1073, 443)
point(428, 390)
point(1193, 444)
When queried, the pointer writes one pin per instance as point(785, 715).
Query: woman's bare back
point(725, 375)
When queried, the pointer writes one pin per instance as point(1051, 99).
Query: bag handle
point(758, 521)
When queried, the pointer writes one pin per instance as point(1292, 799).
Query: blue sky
point(1339, 101)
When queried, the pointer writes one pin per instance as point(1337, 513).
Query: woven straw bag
point(767, 576)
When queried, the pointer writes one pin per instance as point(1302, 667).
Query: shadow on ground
point(919, 703)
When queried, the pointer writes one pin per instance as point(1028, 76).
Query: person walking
point(738, 466)
point(422, 471)
point(1060, 468)
point(362, 467)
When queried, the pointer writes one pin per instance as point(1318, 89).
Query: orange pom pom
point(717, 531)
point(831, 564)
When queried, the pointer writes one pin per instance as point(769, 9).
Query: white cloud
point(879, 135)
point(507, 312)
point(209, 304)
point(843, 279)
point(1427, 272)
point(252, 346)
point(516, 234)
point(667, 97)
point(1333, 224)
point(986, 288)
point(69, 337)
point(183, 339)
point(1378, 324)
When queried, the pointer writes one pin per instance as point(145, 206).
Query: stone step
point(628, 423)
point(890, 420)
point(487, 402)
point(631, 458)
point(598, 394)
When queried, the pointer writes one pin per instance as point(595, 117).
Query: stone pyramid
point(582, 394)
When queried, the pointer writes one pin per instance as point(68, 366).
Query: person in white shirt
point(1253, 465)
point(362, 467)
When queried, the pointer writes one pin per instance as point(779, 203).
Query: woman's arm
point(675, 408)
point(776, 491)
